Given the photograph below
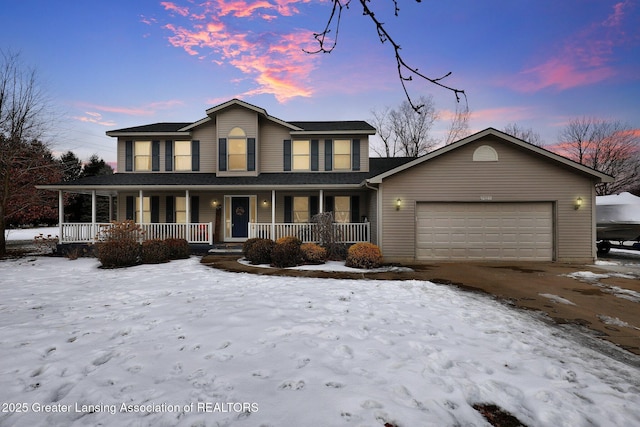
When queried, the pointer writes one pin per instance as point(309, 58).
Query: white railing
point(88, 232)
point(352, 232)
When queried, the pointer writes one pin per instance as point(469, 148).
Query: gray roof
point(348, 125)
point(282, 179)
point(155, 128)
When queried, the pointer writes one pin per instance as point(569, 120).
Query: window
point(146, 210)
point(300, 209)
point(181, 210)
point(342, 209)
point(342, 154)
point(301, 155)
point(142, 155)
point(237, 155)
point(182, 155)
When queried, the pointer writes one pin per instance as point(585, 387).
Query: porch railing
point(88, 232)
point(353, 232)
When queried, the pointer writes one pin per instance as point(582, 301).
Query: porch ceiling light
point(578, 203)
point(398, 204)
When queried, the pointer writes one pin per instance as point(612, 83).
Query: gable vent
point(485, 153)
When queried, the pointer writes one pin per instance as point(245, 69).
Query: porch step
point(226, 248)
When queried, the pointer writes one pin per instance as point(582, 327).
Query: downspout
point(378, 213)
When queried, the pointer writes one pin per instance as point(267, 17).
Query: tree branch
point(406, 72)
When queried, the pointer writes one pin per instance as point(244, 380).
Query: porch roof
point(209, 181)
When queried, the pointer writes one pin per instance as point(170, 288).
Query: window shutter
point(155, 209)
point(170, 209)
point(355, 208)
point(130, 208)
point(355, 155)
point(128, 156)
point(195, 209)
point(287, 154)
point(328, 154)
point(288, 209)
point(195, 155)
point(168, 155)
point(314, 154)
point(251, 154)
point(155, 155)
point(313, 207)
point(328, 204)
point(222, 154)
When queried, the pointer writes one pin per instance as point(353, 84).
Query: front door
point(240, 217)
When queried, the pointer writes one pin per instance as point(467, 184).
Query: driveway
point(601, 300)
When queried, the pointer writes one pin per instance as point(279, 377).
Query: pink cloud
point(174, 8)
point(146, 110)
point(584, 59)
point(502, 114)
point(274, 61)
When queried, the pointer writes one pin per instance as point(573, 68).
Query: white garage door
point(484, 231)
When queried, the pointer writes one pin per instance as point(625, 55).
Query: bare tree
point(459, 125)
point(528, 135)
point(328, 41)
point(23, 109)
point(607, 146)
point(411, 129)
point(380, 120)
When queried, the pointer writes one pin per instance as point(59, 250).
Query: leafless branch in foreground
point(406, 73)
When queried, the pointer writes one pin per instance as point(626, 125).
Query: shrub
point(286, 252)
point(119, 244)
point(178, 248)
point(289, 240)
point(313, 254)
point(118, 253)
point(259, 251)
point(246, 246)
point(364, 255)
point(154, 251)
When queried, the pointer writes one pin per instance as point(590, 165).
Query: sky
point(107, 65)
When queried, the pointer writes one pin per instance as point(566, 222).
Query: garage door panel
point(511, 231)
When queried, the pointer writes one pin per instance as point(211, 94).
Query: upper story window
point(142, 155)
point(301, 153)
point(182, 155)
point(342, 154)
point(237, 150)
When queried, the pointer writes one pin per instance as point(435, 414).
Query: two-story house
point(241, 173)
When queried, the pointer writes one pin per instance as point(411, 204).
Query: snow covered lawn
point(182, 344)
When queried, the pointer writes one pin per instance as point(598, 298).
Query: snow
point(595, 279)
point(336, 266)
point(183, 344)
point(557, 299)
point(24, 234)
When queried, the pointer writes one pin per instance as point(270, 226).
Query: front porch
point(228, 218)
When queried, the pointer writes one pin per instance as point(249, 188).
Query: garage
point(484, 231)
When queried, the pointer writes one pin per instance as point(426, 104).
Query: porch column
point(60, 215)
point(140, 207)
point(321, 202)
point(94, 213)
point(273, 214)
point(187, 203)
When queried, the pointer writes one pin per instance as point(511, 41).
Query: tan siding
point(206, 134)
point(270, 151)
point(120, 166)
point(517, 176)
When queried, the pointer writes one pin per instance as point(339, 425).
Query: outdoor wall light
point(265, 203)
point(578, 203)
point(398, 204)
point(214, 203)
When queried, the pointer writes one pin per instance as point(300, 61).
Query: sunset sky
point(112, 64)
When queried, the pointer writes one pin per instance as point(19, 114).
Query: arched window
point(237, 151)
point(485, 153)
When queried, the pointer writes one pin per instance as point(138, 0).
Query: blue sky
point(119, 63)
